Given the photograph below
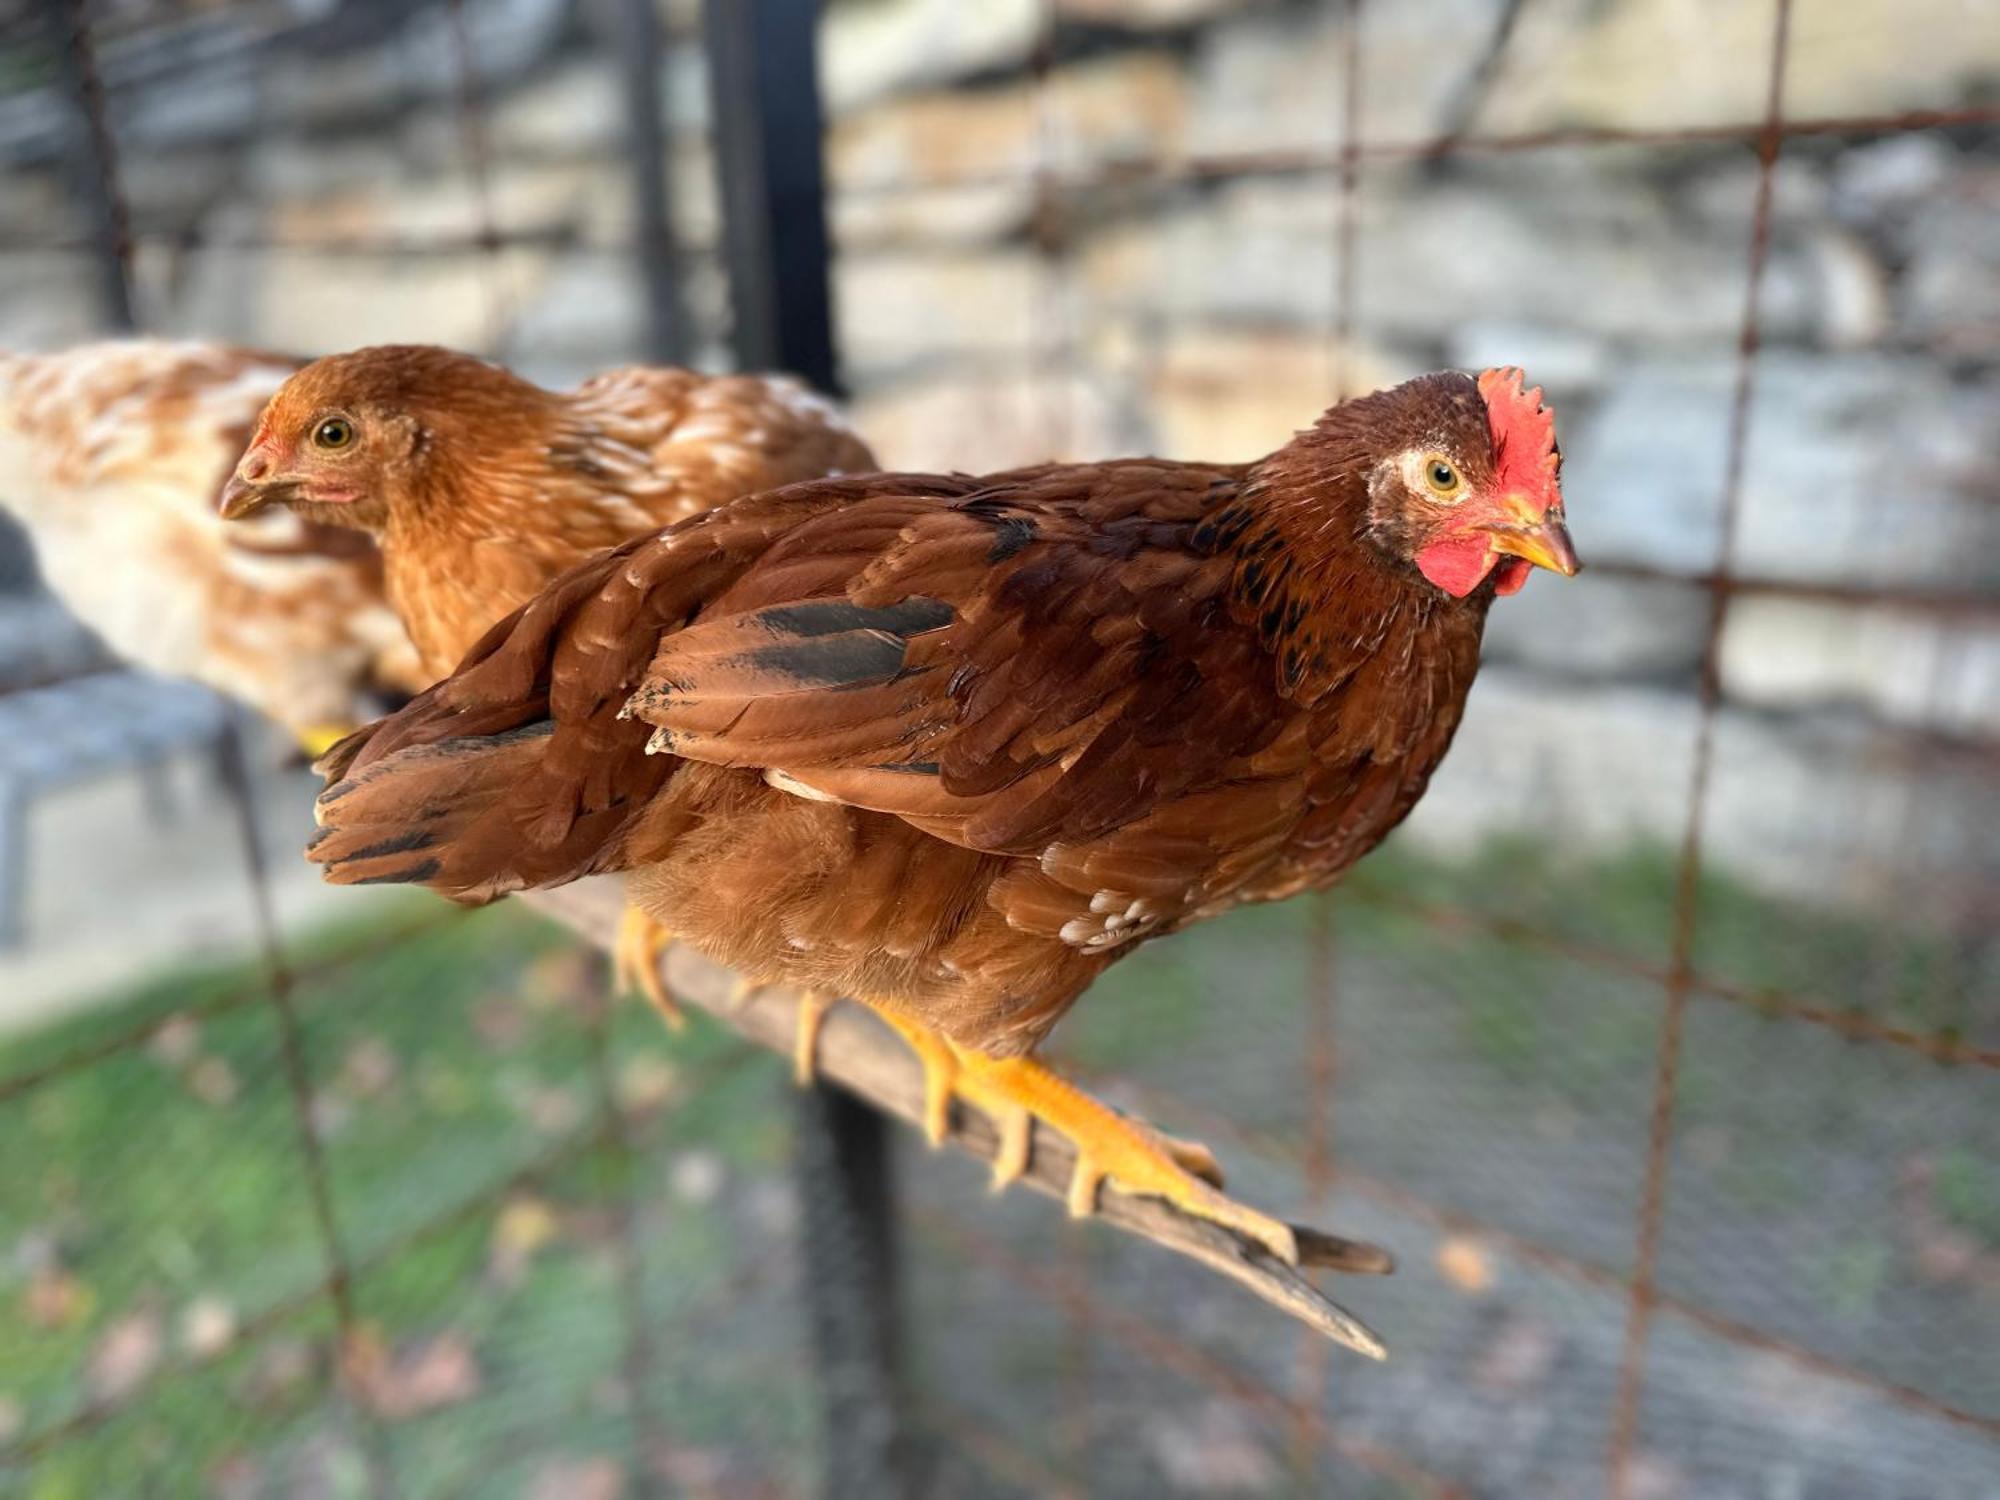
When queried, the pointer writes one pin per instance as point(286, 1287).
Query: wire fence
point(1679, 976)
point(1030, 1395)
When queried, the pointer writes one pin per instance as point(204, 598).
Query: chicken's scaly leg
point(1016, 1091)
point(635, 963)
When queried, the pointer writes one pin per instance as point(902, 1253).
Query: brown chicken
point(112, 455)
point(481, 487)
point(951, 746)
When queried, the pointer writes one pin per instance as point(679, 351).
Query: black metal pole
point(847, 1198)
point(92, 162)
point(660, 267)
point(764, 88)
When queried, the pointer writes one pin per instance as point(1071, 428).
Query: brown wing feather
point(1019, 665)
point(522, 768)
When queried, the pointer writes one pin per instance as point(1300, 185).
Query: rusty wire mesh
point(1644, 1260)
point(1573, 1280)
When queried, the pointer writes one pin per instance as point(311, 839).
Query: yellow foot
point(812, 1011)
point(317, 739)
point(635, 963)
point(1016, 1091)
point(741, 988)
point(940, 1065)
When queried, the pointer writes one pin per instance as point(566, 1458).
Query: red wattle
point(1457, 564)
point(1511, 576)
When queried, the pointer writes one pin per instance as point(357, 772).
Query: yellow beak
point(1545, 543)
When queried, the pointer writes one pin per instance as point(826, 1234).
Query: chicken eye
point(1441, 477)
point(334, 433)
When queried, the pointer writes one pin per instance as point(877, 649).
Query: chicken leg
point(1016, 1091)
point(635, 963)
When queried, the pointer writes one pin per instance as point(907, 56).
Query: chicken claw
point(635, 963)
point(1016, 1091)
point(813, 1007)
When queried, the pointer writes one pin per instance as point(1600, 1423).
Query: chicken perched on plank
point(481, 487)
point(113, 453)
point(951, 746)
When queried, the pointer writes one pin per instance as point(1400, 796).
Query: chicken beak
point(1544, 542)
point(245, 497)
point(241, 498)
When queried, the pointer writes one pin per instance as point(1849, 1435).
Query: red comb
point(1524, 436)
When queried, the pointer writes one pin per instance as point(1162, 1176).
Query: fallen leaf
point(553, 981)
point(124, 1357)
point(331, 1115)
point(1465, 1264)
point(1518, 1359)
point(213, 1082)
point(551, 1110)
point(500, 1022)
point(208, 1324)
point(236, 1477)
point(423, 1377)
point(1653, 1476)
point(523, 1226)
point(696, 1177)
point(647, 1083)
point(1942, 1250)
point(1216, 1451)
point(369, 1069)
point(578, 1479)
point(55, 1299)
point(176, 1042)
point(693, 1471)
point(282, 1368)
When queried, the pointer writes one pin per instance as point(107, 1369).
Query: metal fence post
point(764, 92)
point(763, 80)
point(92, 162)
point(660, 262)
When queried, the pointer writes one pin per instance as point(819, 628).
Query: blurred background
point(1660, 1045)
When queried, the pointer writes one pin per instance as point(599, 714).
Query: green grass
point(168, 1178)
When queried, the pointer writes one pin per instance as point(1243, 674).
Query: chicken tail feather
point(427, 814)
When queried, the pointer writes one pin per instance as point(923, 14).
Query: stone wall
point(1022, 275)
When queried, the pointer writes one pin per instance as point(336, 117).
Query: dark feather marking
point(1010, 537)
point(339, 789)
point(464, 743)
point(407, 843)
point(833, 616)
point(415, 874)
point(859, 657)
